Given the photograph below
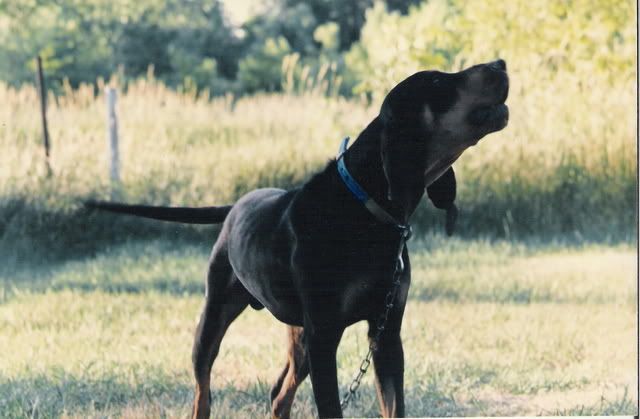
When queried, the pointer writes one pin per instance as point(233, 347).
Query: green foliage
point(328, 35)
point(586, 37)
point(186, 42)
point(394, 46)
point(69, 47)
point(591, 40)
point(192, 42)
point(262, 69)
point(81, 41)
point(141, 45)
point(295, 24)
point(348, 15)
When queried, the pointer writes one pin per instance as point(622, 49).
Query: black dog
point(321, 257)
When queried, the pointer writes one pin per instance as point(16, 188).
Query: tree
point(349, 15)
point(82, 40)
point(261, 69)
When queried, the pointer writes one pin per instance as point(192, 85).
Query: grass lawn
point(491, 328)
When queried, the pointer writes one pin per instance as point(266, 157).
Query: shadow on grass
point(177, 267)
point(154, 395)
point(163, 266)
point(52, 228)
point(164, 395)
point(58, 392)
point(169, 286)
point(30, 233)
point(512, 296)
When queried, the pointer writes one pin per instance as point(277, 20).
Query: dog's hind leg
point(226, 298)
point(293, 374)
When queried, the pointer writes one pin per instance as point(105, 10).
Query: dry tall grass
point(565, 164)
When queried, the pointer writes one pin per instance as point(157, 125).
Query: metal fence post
point(112, 137)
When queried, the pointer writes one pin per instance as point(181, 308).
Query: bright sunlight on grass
point(491, 328)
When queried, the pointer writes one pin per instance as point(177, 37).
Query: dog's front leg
point(322, 346)
point(388, 363)
point(388, 359)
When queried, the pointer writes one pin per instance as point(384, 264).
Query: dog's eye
point(436, 81)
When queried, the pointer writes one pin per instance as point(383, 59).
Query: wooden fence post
point(42, 92)
point(112, 137)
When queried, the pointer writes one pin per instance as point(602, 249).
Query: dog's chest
point(363, 297)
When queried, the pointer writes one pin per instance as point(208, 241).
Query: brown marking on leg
point(388, 364)
point(201, 408)
point(226, 299)
point(294, 373)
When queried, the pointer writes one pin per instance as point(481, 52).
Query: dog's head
point(431, 118)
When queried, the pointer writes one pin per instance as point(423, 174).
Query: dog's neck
point(364, 160)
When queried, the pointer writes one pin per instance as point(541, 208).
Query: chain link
point(382, 320)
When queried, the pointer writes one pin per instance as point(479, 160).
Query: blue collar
point(359, 193)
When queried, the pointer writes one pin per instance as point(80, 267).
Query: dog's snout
point(499, 65)
point(496, 77)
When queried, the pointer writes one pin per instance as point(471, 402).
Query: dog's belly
point(279, 299)
point(260, 253)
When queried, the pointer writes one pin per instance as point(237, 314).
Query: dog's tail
point(189, 215)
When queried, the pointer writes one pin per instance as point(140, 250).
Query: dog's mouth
point(490, 116)
point(495, 115)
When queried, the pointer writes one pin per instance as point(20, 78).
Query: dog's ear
point(442, 193)
point(386, 163)
point(396, 159)
point(389, 128)
point(402, 146)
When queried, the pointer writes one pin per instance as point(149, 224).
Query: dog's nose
point(499, 64)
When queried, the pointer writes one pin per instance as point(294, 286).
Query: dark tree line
point(182, 39)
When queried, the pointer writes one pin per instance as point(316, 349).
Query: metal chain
point(382, 320)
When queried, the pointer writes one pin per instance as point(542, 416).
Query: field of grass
point(491, 328)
